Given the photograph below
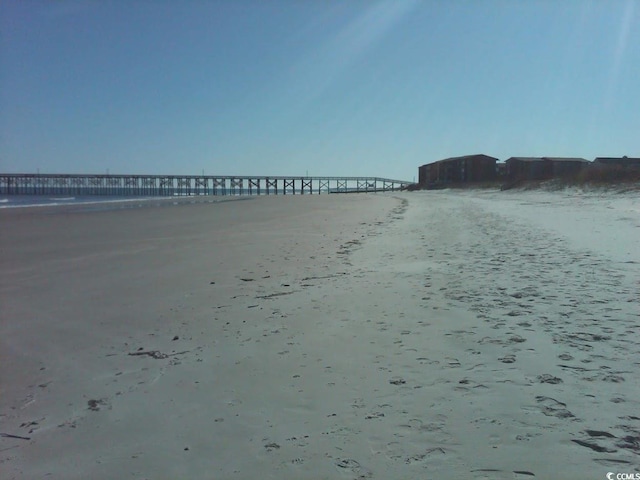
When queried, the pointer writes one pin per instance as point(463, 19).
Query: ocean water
point(102, 202)
point(22, 201)
point(15, 201)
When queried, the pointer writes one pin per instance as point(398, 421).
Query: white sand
point(420, 335)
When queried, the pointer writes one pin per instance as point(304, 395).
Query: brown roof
point(525, 159)
point(464, 157)
point(567, 159)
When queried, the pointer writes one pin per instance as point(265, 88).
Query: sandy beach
point(441, 334)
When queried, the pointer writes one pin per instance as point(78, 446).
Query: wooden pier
point(186, 185)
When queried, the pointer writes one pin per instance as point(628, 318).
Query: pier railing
point(174, 185)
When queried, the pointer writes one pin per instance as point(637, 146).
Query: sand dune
point(424, 335)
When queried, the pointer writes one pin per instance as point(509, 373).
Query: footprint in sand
point(96, 405)
point(272, 446)
point(508, 359)
point(422, 457)
point(611, 462)
point(547, 378)
point(553, 408)
point(594, 446)
point(353, 466)
point(453, 362)
point(374, 415)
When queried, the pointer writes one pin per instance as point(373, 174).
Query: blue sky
point(318, 87)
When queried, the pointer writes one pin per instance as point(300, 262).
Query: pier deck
point(170, 185)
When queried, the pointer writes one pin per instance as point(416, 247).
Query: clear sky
point(317, 87)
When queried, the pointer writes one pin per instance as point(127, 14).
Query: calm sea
point(17, 201)
point(102, 202)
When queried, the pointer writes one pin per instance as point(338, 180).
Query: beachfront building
point(613, 169)
point(566, 166)
point(543, 168)
point(627, 162)
point(465, 169)
point(527, 168)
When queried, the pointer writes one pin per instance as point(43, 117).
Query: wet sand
point(414, 335)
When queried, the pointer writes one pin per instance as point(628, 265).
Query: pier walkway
point(170, 185)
